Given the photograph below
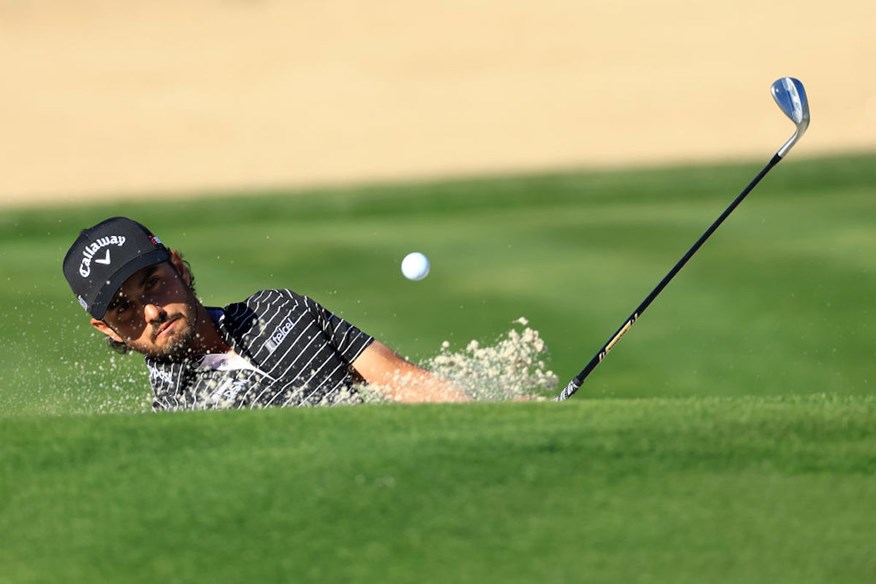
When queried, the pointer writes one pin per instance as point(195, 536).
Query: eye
point(121, 307)
point(152, 283)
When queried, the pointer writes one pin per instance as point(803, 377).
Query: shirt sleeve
point(347, 339)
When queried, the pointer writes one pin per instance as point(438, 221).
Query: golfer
point(275, 348)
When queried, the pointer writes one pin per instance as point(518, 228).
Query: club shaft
point(578, 380)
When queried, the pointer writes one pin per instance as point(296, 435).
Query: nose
point(153, 313)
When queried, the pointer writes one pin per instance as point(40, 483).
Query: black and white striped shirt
point(290, 351)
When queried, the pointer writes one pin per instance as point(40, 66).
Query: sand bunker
point(104, 98)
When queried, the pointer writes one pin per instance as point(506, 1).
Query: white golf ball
point(415, 266)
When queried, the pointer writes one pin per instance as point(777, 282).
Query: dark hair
point(120, 347)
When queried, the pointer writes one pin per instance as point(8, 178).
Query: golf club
point(791, 99)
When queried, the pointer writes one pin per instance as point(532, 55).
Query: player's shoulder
point(271, 301)
point(274, 296)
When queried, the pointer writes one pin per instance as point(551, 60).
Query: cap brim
point(107, 291)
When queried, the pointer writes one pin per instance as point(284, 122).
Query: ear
point(180, 266)
point(105, 329)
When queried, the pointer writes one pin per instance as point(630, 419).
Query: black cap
point(106, 255)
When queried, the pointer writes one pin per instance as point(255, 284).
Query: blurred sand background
point(105, 98)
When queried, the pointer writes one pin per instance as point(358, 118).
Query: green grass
point(657, 490)
point(730, 437)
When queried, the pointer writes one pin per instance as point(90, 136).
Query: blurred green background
point(778, 301)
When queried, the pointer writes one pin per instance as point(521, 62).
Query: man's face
point(154, 312)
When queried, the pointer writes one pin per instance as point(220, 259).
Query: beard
point(178, 347)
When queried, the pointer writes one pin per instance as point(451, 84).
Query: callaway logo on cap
point(106, 255)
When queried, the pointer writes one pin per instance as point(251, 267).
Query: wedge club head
point(791, 99)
